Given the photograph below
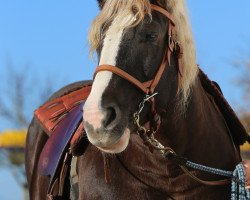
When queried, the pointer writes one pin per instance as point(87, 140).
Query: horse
point(146, 86)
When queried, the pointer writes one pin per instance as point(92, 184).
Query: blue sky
point(51, 37)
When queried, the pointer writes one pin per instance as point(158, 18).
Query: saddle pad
point(238, 132)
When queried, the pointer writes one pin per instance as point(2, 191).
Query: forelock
point(112, 9)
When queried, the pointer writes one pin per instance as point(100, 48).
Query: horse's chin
point(119, 146)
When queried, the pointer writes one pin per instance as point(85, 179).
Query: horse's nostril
point(110, 117)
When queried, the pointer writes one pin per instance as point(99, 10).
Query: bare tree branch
point(15, 105)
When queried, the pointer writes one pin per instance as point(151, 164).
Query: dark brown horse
point(137, 38)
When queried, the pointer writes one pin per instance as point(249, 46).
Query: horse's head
point(131, 38)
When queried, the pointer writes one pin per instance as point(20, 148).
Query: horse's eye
point(151, 36)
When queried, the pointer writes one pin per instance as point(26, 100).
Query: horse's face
point(108, 111)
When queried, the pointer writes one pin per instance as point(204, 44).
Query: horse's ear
point(101, 3)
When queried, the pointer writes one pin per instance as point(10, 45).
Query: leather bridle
point(148, 87)
point(173, 47)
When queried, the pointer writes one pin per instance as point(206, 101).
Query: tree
point(17, 102)
point(20, 96)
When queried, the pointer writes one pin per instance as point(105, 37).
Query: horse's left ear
point(101, 3)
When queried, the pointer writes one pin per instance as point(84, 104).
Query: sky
point(51, 38)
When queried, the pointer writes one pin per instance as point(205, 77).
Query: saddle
point(61, 119)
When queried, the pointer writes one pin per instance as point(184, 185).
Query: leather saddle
point(61, 119)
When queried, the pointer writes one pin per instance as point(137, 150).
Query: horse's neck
point(201, 134)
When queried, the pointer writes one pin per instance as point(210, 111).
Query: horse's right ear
point(101, 3)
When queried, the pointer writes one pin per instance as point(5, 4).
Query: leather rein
point(148, 88)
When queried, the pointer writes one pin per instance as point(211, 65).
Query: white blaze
point(93, 113)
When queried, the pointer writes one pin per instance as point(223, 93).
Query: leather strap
point(163, 11)
point(158, 75)
point(211, 183)
point(146, 87)
point(107, 173)
point(142, 86)
point(56, 187)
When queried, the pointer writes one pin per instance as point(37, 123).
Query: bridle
point(173, 47)
point(148, 87)
point(147, 131)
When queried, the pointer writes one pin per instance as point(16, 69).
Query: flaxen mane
point(140, 8)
